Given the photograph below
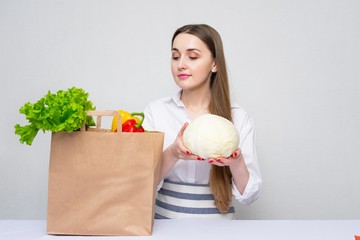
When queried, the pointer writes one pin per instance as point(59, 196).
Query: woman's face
point(192, 63)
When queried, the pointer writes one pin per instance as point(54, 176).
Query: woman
point(192, 187)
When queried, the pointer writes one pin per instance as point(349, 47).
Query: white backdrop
point(294, 66)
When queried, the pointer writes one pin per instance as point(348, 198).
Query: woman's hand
point(174, 152)
point(238, 168)
point(178, 149)
point(222, 161)
point(239, 171)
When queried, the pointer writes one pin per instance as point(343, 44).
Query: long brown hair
point(220, 177)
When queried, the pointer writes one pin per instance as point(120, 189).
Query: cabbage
point(63, 111)
point(211, 136)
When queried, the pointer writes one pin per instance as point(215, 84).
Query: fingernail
point(235, 154)
point(199, 158)
point(211, 161)
point(187, 152)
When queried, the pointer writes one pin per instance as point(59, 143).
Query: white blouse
point(169, 114)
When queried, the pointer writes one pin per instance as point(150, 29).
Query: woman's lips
point(183, 76)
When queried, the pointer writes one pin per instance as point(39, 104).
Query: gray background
point(294, 66)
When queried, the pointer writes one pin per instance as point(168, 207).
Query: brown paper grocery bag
point(103, 183)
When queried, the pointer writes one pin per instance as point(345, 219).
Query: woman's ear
point(214, 68)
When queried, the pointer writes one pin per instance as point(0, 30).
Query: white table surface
point(186, 229)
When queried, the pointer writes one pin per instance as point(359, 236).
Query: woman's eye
point(175, 57)
point(193, 56)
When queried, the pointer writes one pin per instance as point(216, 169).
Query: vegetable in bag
point(63, 111)
point(129, 121)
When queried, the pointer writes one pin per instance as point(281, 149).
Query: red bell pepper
point(132, 126)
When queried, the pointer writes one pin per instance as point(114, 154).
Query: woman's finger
point(236, 153)
point(216, 161)
point(181, 132)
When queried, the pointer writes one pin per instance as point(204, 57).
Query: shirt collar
point(177, 99)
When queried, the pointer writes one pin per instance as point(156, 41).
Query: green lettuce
point(63, 111)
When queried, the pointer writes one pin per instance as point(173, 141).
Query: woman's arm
point(167, 163)
point(239, 171)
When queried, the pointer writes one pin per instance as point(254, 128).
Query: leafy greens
point(63, 111)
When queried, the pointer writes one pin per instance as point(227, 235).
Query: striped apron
point(186, 200)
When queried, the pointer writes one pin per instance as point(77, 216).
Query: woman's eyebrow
point(188, 50)
point(193, 49)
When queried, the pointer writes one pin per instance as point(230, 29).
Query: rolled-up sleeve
point(251, 192)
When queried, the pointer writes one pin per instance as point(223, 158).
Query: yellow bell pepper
point(124, 117)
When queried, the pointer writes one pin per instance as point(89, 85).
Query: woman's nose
point(182, 63)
